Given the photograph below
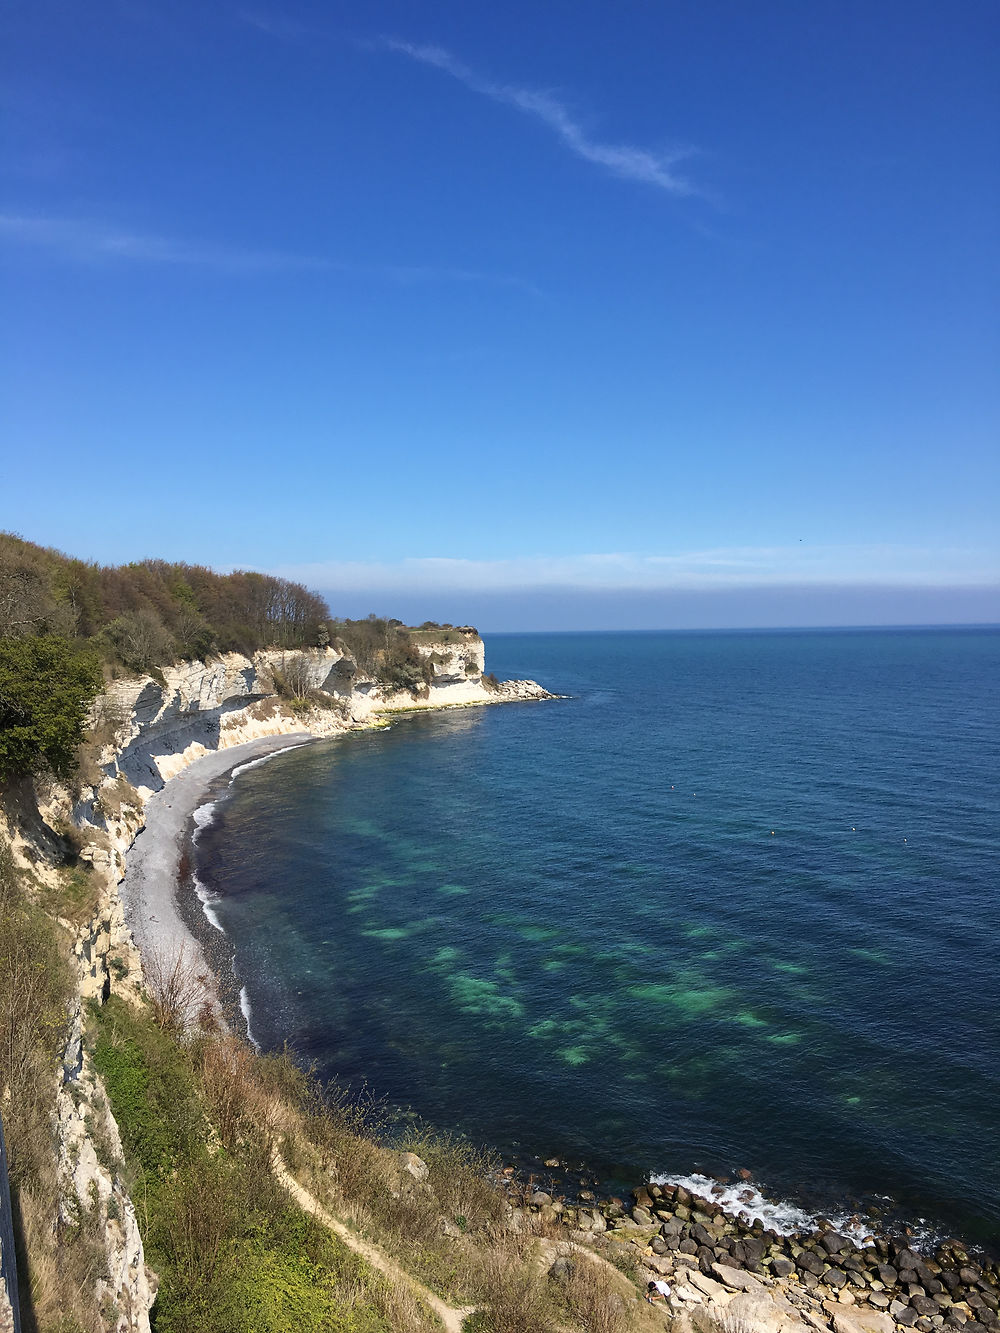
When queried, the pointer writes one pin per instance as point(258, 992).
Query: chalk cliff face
point(160, 726)
point(151, 730)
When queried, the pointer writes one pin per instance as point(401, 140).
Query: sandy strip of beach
point(149, 889)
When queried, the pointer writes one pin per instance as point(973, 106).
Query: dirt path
point(452, 1317)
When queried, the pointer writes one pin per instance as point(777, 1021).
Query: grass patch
point(234, 1256)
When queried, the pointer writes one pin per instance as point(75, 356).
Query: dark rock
point(687, 1246)
point(659, 1246)
point(905, 1316)
point(923, 1325)
point(702, 1235)
point(539, 1197)
point(970, 1275)
point(683, 1212)
point(955, 1319)
point(888, 1275)
point(753, 1248)
point(642, 1197)
point(834, 1244)
point(950, 1279)
point(782, 1267)
point(834, 1277)
point(879, 1299)
point(562, 1270)
point(809, 1280)
point(808, 1262)
point(925, 1305)
point(973, 1326)
point(682, 1196)
point(907, 1259)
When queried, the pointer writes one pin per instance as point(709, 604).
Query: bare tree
point(179, 992)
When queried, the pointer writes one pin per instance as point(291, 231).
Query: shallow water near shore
point(733, 904)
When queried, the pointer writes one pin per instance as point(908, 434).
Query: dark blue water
point(734, 903)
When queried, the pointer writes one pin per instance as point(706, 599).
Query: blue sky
point(569, 314)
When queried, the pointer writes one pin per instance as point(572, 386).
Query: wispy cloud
point(89, 242)
point(624, 160)
point(728, 567)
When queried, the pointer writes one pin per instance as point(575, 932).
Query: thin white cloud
point(734, 567)
point(89, 242)
point(624, 160)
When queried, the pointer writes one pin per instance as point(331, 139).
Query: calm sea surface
point(734, 903)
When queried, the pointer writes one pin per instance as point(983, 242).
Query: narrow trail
point(452, 1317)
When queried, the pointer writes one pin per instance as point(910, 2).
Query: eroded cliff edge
point(144, 731)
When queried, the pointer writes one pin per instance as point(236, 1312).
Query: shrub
point(46, 688)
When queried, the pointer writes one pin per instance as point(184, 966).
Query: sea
point(730, 904)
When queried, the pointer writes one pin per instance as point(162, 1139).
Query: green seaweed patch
point(537, 934)
point(389, 933)
point(784, 1038)
point(871, 956)
point(445, 955)
point(794, 969)
point(688, 1001)
point(475, 995)
point(365, 893)
point(452, 890)
point(574, 1055)
point(749, 1020)
point(554, 965)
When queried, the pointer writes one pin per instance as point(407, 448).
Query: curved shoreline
point(152, 872)
point(155, 873)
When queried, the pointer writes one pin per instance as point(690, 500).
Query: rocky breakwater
point(741, 1275)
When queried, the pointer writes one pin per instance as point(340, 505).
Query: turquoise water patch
point(537, 934)
point(452, 890)
point(872, 956)
point(574, 1055)
point(749, 1020)
point(688, 1001)
point(474, 995)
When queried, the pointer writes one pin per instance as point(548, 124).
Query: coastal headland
point(169, 738)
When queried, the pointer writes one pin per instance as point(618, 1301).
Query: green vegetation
point(233, 1253)
point(384, 650)
point(46, 687)
point(66, 624)
point(152, 612)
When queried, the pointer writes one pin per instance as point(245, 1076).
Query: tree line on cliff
point(68, 625)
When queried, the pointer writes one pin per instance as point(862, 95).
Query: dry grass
point(58, 1262)
point(512, 1291)
point(594, 1297)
